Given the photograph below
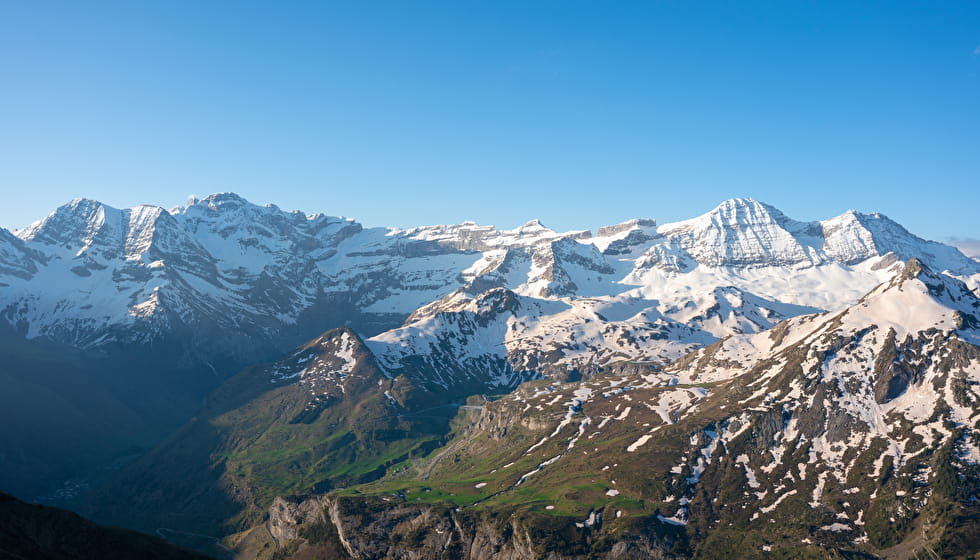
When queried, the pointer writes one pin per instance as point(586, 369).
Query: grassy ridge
point(259, 438)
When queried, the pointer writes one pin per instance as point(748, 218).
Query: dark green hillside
point(43, 533)
point(71, 417)
point(266, 433)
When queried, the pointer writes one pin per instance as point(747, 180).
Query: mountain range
point(736, 382)
point(89, 275)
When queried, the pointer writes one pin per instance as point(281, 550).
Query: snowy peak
point(142, 226)
point(891, 237)
point(230, 204)
point(745, 233)
point(732, 214)
point(739, 232)
point(484, 306)
point(460, 343)
point(847, 240)
point(853, 237)
point(222, 202)
point(143, 273)
point(564, 267)
point(329, 365)
point(76, 226)
point(534, 231)
point(745, 211)
point(534, 225)
point(918, 300)
point(493, 303)
point(480, 310)
point(549, 268)
point(90, 228)
point(915, 304)
point(250, 237)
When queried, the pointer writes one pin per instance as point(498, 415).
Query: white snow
point(743, 460)
point(636, 444)
point(673, 520)
point(775, 504)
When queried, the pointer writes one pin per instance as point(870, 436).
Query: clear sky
point(577, 113)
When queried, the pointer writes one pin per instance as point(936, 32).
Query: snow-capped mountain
point(89, 275)
point(739, 369)
point(866, 417)
point(853, 431)
point(638, 293)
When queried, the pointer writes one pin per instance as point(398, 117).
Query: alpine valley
point(262, 384)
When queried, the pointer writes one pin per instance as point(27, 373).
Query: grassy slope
point(721, 511)
point(255, 440)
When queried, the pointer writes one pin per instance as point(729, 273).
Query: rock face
point(372, 528)
point(287, 517)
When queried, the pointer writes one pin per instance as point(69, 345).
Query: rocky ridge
point(853, 431)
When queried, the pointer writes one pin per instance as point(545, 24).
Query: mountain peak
point(740, 232)
point(221, 204)
point(914, 269)
point(916, 300)
point(732, 214)
point(72, 224)
point(854, 236)
point(80, 206)
point(738, 201)
point(224, 200)
point(81, 203)
point(336, 335)
point(746, 210)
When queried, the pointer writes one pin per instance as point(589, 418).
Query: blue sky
point(578, 113)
